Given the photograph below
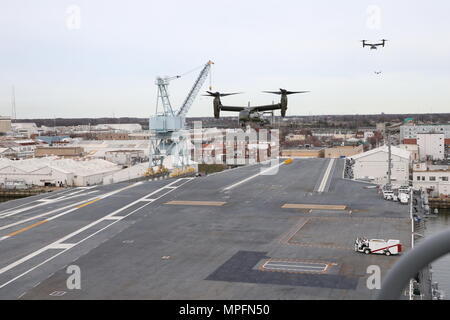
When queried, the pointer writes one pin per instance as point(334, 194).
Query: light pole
point(411, 193)
point(389, 184)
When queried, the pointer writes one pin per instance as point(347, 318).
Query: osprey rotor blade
point(229, 94)
point(284, 91)
point(273, 92)
point(294, 92)
point(218, 94)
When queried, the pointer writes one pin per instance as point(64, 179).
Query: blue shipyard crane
point(167, 127)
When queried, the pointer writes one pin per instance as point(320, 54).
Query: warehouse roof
point(402, 153)
point(77, 167)
point(129, 127)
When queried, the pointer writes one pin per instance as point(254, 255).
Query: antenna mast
point(13, 104)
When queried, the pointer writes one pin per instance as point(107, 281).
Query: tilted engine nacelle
point(284, 102)
point(216, 102)
point(283, 111)
point(216, 106)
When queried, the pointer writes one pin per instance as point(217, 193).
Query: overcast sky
point(104, 61)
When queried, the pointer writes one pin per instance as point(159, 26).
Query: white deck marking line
point(58, 242)
point(196, 203)
point(24, 204)
point(313, 206)
point(326, 176)
point(293, 266)
point(251, 177)
point(13, 212)
point(319, 181)
point(71, 235)
point(296, 270)
point(62, 246)
point(75, 194)
point(45, 202)
point(63, 208)
point(43, 214)
point(154, 199)
point(63, 213)
point(114, 218)
point(74, 191)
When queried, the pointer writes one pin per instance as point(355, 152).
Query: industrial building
point(343, 151)
point(50, 140)
point(5, 124)
point(411, 131)
point(98, 148)
point(118, 127)
point(373, 165)
point(431, 146)
point(413, 150)
point(295, 137)
point(7, 152)
point(432, 177)
point(125, 157)
point(112, 136)
point(66, 152)
point(18, 149)
point(26, 129)
point(303, 153)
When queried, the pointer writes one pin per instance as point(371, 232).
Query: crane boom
point(167, 140)
point(194, 90)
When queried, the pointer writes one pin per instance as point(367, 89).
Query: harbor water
point(441, 267)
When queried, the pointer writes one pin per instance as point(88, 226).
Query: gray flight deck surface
point(237, 242)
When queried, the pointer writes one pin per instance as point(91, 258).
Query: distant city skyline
point(79, 58)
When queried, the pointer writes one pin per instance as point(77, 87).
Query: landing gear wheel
point(367, 251)
point(388, 253)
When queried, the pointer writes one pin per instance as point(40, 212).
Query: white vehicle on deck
point(378, 246)
point(404, 189)
point(403, 198)
point(389, 195)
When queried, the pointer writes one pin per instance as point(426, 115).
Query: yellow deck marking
point(88, 203)
point(197, 203)
point(12, 234)
point(313, 206)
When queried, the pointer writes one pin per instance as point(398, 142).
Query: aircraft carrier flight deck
point(244, 233)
